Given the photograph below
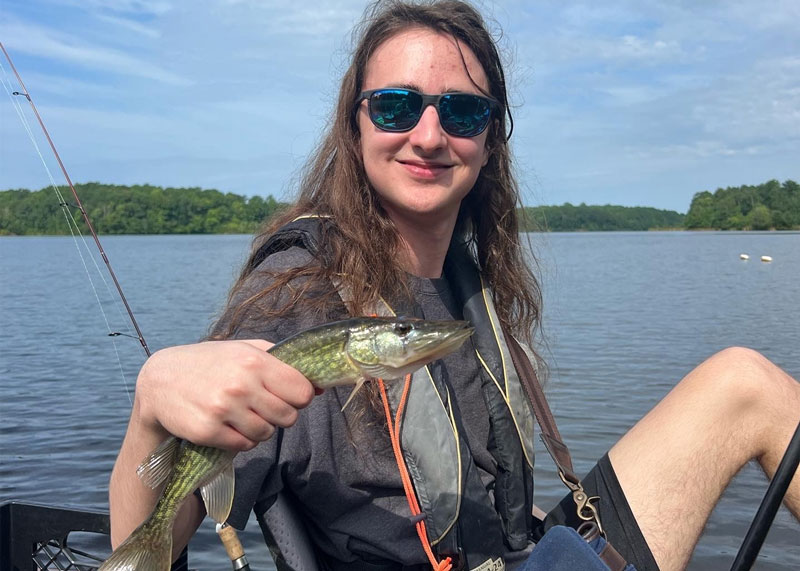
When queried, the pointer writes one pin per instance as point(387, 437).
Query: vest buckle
point(584, 504)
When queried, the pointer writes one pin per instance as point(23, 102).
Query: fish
point(347, 352)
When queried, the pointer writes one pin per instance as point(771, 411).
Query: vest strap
point(584, 505)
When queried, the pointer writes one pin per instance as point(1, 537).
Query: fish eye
point(403, 328)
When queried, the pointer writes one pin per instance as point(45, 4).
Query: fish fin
point(218, 494)
point(359, 384)
point(146, 548)
point(157, 467)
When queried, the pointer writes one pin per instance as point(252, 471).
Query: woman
point(409, 204)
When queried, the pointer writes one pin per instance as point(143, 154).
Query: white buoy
point(744, 257)
point(766, 258)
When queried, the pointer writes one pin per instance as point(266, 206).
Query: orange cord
point(394, 435)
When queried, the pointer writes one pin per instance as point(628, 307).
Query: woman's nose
point(428, 132)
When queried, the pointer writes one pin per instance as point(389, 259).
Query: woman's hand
point(225, 394)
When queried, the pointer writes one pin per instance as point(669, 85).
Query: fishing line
point(68, 216)
point(73, 227)
point(226, 533)
point(72, 224)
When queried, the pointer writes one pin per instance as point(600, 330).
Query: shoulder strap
point(585, 507)
point(544, 416)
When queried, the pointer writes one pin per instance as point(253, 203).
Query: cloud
point(768, 16)
point(759, 104)
point(299, 19)
point(131, 25)
point(311, 21)
point(47, 43)
point(131, 7)
point(631, 47)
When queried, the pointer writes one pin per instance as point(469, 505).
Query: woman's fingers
point(272, 389)
point(229, 394)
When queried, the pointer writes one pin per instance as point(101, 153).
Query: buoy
point(766, 258)
point(744, 257)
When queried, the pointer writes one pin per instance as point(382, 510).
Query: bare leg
point(674, 464)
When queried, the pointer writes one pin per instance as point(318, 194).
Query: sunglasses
point(397, 110)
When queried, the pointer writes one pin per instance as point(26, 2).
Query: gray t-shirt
point(338, 468)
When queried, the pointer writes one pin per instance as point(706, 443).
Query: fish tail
point(148, 548)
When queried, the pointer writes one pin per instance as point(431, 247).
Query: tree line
point(148, 209)
point(592, 218)
point(139, 209)
point(768, 206)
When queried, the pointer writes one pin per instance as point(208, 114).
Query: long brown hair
point(362, 244)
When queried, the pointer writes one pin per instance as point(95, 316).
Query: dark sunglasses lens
point(464, 115)
point(395, 109)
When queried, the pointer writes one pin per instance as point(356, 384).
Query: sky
point(630, 102)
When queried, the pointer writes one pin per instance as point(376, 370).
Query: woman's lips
point(424, 169)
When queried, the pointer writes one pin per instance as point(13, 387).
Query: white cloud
point(761, 103)
point(635, 47)
point(320, 19)
point(45, 42)
point(769, 15)
point(140, 7)
point(311, 21)
point(702, 149)
point(131, 25)
point(620, 50)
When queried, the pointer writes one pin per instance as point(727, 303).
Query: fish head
point(392, 347)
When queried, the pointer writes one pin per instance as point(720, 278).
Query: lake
point(626, 316)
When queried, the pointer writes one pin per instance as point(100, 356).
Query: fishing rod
point(226, 533)
point(769, 506)
point(79, 204)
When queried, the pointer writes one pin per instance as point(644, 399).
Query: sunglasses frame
point(427, 100)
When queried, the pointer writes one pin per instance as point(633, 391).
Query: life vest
point(460, 519)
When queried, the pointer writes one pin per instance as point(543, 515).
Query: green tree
point(701, 211)
point(759, 218)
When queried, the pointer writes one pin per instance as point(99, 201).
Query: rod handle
point(233, 546)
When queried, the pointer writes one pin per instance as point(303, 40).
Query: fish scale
point(321, 359)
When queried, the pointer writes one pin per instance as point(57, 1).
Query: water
point(627, 315)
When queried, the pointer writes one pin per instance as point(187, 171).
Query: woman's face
point(422, 175)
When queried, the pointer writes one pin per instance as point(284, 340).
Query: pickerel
point(339, 353)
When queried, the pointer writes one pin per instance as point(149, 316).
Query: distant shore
point(147, 209)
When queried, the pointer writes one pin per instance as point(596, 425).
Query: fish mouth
point(453, 340)
point(436, 344)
